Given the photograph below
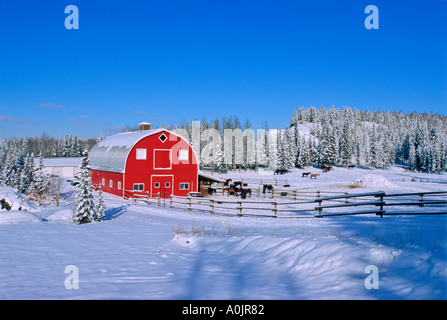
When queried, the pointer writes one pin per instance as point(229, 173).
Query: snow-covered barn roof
point(111, 153)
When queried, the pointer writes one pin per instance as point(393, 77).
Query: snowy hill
point(144, 251)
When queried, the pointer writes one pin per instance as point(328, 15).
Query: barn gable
point(111, 153)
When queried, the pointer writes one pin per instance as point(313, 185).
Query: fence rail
point(319, 207)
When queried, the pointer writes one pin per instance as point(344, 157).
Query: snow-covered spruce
point(85, 211)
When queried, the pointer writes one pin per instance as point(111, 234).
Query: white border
point(170, 159)
point(163, 175)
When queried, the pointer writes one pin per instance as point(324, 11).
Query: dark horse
point(268, 187)
point(305, 174)
point(281, 171)
point(244, 193)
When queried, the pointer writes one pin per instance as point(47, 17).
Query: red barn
point(148, 160)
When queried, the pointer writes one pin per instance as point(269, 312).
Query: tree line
point(324, 136)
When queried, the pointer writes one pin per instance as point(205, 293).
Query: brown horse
point(305, 174)
point(351, 166)
point(315, 175)
point(229, 191)
point(244, 193)
point(326, 169)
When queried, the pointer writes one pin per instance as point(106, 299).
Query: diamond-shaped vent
point(162, 138)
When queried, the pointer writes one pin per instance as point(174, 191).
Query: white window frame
point(170, 159)
point(141, 154)
point(183, 154)
point(111, 183)
point(103, 182)
point(184, 185)
point(138, 184)
point(119, 185)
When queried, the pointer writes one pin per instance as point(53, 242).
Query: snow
point(143, 251)
point(126, 139)
point(60, 162)
point(371, 180)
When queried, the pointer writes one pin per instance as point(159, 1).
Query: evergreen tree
point(40, 185)
point(27, 175)
point(328, 148)
point(100, 208)
point(85, 211)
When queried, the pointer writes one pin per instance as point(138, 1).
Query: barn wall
point(182, 171)
point(97, 179)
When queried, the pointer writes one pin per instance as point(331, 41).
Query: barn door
point(162, 184)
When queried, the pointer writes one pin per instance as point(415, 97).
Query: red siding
point(162, 170)
point(98, 177)
point(162, 165)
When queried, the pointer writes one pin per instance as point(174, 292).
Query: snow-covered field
point(147, 252)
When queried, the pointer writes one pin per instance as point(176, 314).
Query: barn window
point(103, 182)
point(110, 183)
point(156, 185)
point(167, 184)
point(138, 186)
point(162, 159)
point(163, 137)
point(183, 154)
point(184, 186)
point(141, 154)
point(119, 185)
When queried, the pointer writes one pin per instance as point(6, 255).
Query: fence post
point(158, 198)
point(189, 203)
point(294, 195)
point(212, 207)
point(347, 200)
point(275, 210)
point(240, 208)
point(318, 194)
point(319, 208)
point(421, 200)
point(381, 206)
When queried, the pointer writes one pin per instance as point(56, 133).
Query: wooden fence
point(338, 205)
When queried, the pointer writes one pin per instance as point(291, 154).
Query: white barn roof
point(111, 153)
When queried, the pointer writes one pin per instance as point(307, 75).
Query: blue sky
point(165, 61)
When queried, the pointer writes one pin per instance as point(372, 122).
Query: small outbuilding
point(147, 161)
point(60, 167)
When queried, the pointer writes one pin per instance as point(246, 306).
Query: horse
point(5, 205)
point(281, 171)
point(351, 166)
point(212, 191)
point(305, 174)
point(315, 175)
point(237, 183)
point(229, 190)
point(244, 193)
point(227, 182)
point(326, 169)
point(268, 187)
